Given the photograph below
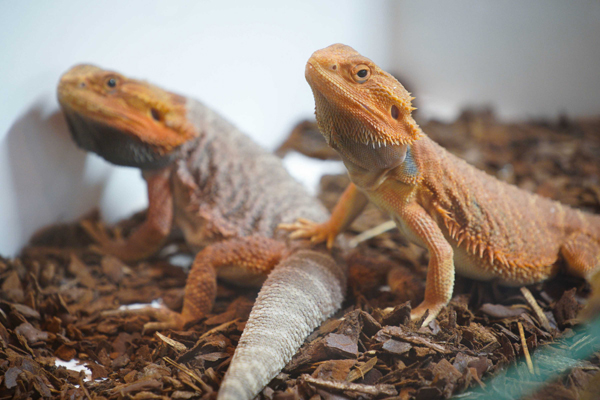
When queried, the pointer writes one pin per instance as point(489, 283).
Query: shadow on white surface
point(46, 176)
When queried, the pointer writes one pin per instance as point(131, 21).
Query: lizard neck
point(406, 169)
point(410, 171)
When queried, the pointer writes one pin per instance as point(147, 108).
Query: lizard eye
point(361, 73)
point(111, 82)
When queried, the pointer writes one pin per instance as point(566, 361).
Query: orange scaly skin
point(468, 220)
point(227, 195)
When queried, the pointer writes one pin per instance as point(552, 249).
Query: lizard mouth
point(114, 145)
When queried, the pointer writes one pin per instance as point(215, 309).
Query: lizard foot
point(142, 243)
point(105, 244)
point(166, 319)
point(432, 309)
point(315, 232)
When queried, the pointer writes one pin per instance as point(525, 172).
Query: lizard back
point(233, 187)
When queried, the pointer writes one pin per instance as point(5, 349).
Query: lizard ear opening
point(395, 111)
point(155, 114)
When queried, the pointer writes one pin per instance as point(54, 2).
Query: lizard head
point(363, 112)
point(126, 121)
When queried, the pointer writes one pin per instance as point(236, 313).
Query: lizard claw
point(313, 231)
point(167, 319)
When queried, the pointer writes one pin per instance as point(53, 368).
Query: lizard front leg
point(351, 203)
point(440, 274)
point(150, 235)
point(246, 261)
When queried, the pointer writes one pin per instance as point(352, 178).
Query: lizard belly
point(241, 276)
point(472, 267)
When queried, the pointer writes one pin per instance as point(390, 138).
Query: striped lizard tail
point(300, 293)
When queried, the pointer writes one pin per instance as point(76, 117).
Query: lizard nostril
point(334, 67)
point(155, 114)
point(82, 84)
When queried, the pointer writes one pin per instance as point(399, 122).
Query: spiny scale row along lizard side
point(468, 220)
point(227, 195)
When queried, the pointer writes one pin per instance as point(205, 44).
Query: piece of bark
point(500, 311)
point(336, 370)
point(396, 347)
point(566, 308)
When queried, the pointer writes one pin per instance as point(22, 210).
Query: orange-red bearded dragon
point(469, 221)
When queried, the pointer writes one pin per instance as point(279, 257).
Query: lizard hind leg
point(245, 261)
point(248, 257)
point(582, 254)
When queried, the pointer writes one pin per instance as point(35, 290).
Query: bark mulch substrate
point(52, 295)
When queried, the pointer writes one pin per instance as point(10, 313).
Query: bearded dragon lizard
point(468, 220)
point(227, 195)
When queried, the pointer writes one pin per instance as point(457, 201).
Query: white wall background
point(246, 60)
point(526, 58)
